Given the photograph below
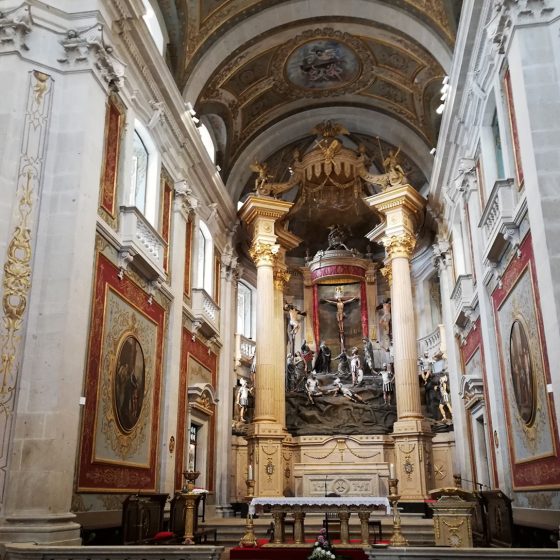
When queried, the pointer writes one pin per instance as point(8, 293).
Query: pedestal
point(452, 522)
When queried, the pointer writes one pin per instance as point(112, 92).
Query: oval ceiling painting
point(322, 64)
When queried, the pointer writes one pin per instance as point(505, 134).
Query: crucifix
point(340, 301)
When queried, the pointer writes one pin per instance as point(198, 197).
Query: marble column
point(259, 214)
point(402, 207)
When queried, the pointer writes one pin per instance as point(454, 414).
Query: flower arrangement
point(322, 550)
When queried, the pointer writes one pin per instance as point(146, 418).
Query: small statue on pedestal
point(242, 399)
point(388, 383)
point(426, 366)
point(444, 401)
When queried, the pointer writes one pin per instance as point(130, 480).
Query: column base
point(265, 453)
point(413, 458)
point(54, 529)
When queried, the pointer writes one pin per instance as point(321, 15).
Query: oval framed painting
point(322, 64)
point(129, 383)
point(522, 376)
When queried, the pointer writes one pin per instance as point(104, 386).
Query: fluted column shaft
point(404, 340)
point(265, 348)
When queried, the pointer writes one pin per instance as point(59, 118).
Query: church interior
point(266, 263)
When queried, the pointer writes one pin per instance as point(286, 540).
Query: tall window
point(154, 26)
point(244, 310)
point(144, 173)
point(205, 259)
point(140, 172)
point(498, 146)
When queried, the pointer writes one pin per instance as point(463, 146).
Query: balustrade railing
point(206, 310)
point(137, 233)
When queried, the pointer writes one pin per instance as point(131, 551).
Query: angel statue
point(394, 170)
point(260, 182)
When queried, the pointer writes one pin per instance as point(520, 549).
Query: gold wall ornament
point(263, 254)
point(16, 284)
point(281, 279)
point(399, 246)
point(387, 273)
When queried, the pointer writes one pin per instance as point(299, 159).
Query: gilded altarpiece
point(198, 367)
point(532, 433)
point(123, 383)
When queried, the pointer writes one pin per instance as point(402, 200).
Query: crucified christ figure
point(340, 302)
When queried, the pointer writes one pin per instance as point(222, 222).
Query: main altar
point(340, 406)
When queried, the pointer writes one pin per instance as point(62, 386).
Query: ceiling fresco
point(255, 69)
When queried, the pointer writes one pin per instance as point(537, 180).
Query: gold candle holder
point(397, 538)
point(191, 504)
point(249, 539)
point(250, 489)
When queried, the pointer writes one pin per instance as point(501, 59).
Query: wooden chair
point(332, 525)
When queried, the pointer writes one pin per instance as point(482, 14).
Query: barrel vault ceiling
point(262, 73)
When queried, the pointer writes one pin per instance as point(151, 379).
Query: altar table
point(299, 506)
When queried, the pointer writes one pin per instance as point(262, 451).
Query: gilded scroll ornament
point(16, 284)
point(387, 273)
point(399, 246)
point(263, 253)
point(281, 279)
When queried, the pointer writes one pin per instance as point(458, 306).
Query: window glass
point(139, 172)
point(154, 27)
point(498, 146)
point(244, 310)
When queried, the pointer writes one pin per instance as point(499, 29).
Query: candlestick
point(397, 539)
point(392, 471)
point(250, 474)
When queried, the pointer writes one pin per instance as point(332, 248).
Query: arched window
point(144, 173)
point(205, 259)
point(154, 26)
point(207, 141)
point(245, 310)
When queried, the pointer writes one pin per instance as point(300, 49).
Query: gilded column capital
point(263, 254)
point(281, 278)
point(399, 245)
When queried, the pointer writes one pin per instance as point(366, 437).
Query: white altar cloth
point(355, 501)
